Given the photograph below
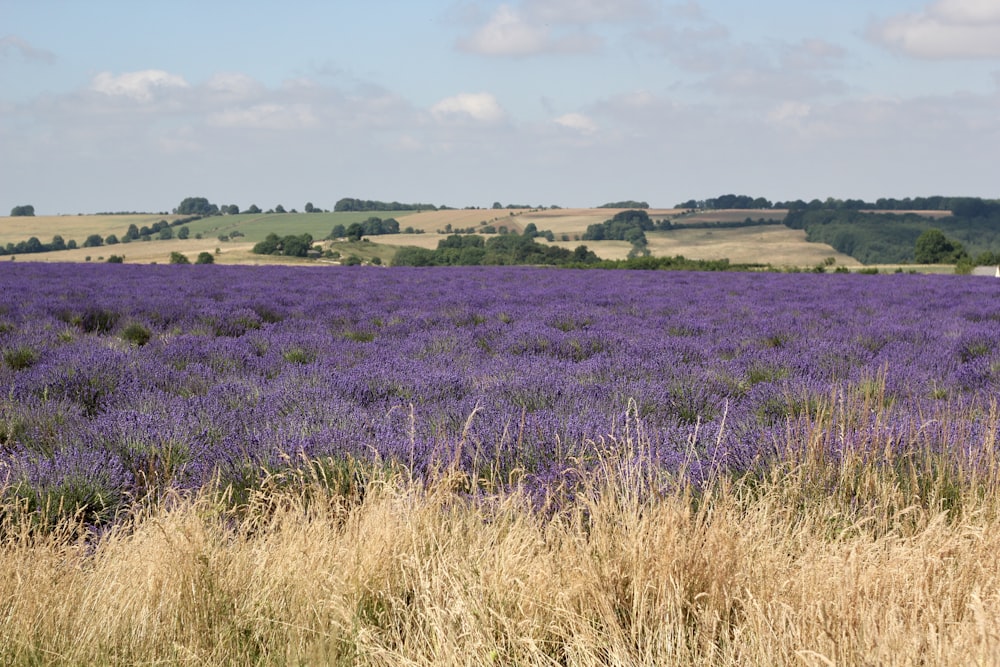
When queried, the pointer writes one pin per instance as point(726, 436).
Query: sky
point(122, 105)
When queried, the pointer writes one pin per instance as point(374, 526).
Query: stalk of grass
point(818, 561)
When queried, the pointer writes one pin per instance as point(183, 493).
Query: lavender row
point(121, 380)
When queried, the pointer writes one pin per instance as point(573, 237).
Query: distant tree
point(132, 233)
point(631, 203)
point(280, 209)
point(93, 241)
point(933, 247)
point(309, 208)
point(196, 206)
point(232, 209)
point(338, 231)
point(297, 246)
point(166, 233)
point(111, 240)
point(116, 259)
point(71, 244)
point(291, 245)
point(254, 209)
point(57, 243)
point(179, 258)
point(205, 258)
point(497, 205)
point(355, 231)
point(183, 233)
point(22, 211)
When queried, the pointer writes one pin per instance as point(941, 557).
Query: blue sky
point(134, 106)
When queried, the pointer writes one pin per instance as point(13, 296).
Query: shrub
point(205, 258)
point(20, 357)
point(136, 333)
point(179, 258)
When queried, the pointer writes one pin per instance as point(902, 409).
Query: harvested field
point(432, 221)
point(429, 240)
point(772, 244)
point(149, 252)
point(77, 227)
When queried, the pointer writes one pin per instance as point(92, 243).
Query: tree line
point(960, 206)
point(507, 249)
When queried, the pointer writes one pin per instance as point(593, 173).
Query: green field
point(256, 226)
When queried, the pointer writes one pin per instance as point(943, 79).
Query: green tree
point(196, 206)
point(184, 232)
point(26, 210)
point(179, 258)
point(166, 233)
point(268, 246)
point(93, 241)
point(280, 209)
point(355, 231)
point(254, 209)
point(205, 258)
point(933, 247)
point(132, 233)
point(111, 240)
point(57, 243)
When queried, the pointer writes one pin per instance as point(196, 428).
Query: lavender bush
point(122, 381)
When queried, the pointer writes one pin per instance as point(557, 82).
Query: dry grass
point(148, 252)
point(432, 221)
point(814, 563)
point(771, 244)
point(78, 227)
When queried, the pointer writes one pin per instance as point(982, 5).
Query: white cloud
point(234, 84)
point(578, 122)
point(139, 86)
point(507, 34)
point(267, 117)
point(481, 107)
point(514, 32)
point(945, 29)
point(789, 112)
point(587, 11)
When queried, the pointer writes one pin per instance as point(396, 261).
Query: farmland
point(512, 465)
point(775, 244)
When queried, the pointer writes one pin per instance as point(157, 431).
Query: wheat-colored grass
point(76, 227)
point(813, 562)
point(769, 244)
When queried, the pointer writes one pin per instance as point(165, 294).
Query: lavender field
point(122, 381)
point(272, 465)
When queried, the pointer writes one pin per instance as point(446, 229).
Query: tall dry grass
point(816, 561)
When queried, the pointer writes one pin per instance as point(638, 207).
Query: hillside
point(779, 237)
